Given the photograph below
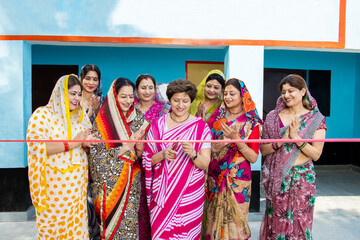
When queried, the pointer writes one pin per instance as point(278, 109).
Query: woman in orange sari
point(114, 167)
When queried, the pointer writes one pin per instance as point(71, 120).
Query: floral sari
point(290, 190)
point(116, 178)
point(58, 182)
point(200, 96)
point(175, 189)
point(229, 181)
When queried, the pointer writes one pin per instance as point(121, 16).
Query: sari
point(116, 178)
point(158, 109)
point(98, 93)
point(229, 182)
point(175, 190)
point(290, 190)
point(200, 96)
point(58, 182)
point(94, 229)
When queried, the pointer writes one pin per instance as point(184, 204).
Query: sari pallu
point(116, 178)
point(175, 190)
point(287, 215)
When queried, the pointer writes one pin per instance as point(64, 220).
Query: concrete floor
point(337, 209)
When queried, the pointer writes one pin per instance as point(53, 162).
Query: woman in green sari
point(208, 96)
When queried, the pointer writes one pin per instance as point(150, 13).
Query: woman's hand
point(230, 132)
point(90, 137)
point(294, 127)
point(201, 111)
point(134, 137)
point(188, 149)
point(169, 154)
point(95, 103)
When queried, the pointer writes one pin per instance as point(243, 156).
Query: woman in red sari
point(114, 167)
point(229, 174)
point(175, 172)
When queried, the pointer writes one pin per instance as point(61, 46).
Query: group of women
point(174, 188)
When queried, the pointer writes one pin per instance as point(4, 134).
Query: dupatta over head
point(44, 124)
point(278, 164)
point(112, 124)
point(200, 95)
point(230, 153)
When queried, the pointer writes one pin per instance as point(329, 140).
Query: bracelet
point(66, 146)
point(302, 146)
point(275, 146)
point(244, 149)
point(195, 157)
point(153, 163)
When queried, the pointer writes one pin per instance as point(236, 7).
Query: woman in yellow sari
point(208, 97)
point(58, 171)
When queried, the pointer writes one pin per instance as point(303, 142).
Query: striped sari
point(175, 190)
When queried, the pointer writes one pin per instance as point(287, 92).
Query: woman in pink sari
point(175, 172)
point(149, 101)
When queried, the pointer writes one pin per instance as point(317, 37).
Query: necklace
point(180, 121)
point(234, 113)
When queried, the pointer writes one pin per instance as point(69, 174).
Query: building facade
point(256, 41)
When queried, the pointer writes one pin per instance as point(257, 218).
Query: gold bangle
point(244, 149)
point(302, 146)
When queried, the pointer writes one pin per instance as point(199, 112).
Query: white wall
point(247, 64)
point(295, 20)
point(352, 35)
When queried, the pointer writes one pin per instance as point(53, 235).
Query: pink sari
point(175, 190)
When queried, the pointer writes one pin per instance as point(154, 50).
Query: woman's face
point(146, 90)
point(125, 98)
point(212, 89)
point(292, 96)
point(74, 97)
point(91, 81)
point(180, 104)
point(232, 97)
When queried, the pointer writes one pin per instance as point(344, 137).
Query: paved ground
point(337, 210)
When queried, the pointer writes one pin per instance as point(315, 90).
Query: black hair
point(73, 81)
point(218, 78)
point(142, 77)
point(121, 82)
point(89, 67)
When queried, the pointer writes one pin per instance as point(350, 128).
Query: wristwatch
point(195, 157)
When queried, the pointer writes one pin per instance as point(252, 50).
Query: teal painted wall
point(15, 64)
point(164, 64)
point(344, 77)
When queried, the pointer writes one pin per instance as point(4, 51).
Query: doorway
point(44, 78)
